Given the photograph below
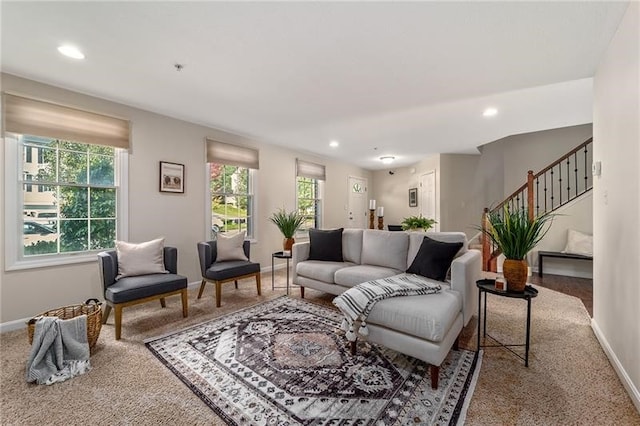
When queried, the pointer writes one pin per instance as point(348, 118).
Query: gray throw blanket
point(357, 302)
point(59, 351)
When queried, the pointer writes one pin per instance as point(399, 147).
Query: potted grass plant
point(416, 223)
point(516, 235)
point(288, 223)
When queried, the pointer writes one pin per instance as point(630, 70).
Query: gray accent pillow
point(230, 247)
point(140, 259)
point(434, 259)
point(325, 244)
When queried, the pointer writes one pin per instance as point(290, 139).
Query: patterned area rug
point(286, 362)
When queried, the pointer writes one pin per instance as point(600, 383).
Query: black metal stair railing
point(559, 183)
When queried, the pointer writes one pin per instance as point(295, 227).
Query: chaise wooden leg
point(353, 347)
point(185, 305)
point(456, 344)
point(435, 375)
point(118, 313)
point(163, 303)
point(258, 285)
point(107, 311)
point(201, 288)
point(218, 293)
point(302, 292)
point(236, 282)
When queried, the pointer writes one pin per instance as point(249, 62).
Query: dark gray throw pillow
point(325, 244)
point(434, 259)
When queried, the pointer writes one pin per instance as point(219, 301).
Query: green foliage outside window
point(78, 183)
point(308, 202)
point(230, 198)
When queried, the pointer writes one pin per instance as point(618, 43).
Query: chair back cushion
point(230, 247)
point(140, 259)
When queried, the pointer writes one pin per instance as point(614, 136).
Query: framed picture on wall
point(413, 197)
point(171, 177)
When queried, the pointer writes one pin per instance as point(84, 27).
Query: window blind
point(233, 155)
point(39, 118)
point(310, 170)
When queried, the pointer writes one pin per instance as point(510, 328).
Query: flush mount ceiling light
point(334, 144)
point(71, 51)
point(387, 159)
point(490, 112)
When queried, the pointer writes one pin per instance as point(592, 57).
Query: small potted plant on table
point(288, 223)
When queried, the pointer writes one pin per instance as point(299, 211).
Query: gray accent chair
point(130, 291)
point(225, 271)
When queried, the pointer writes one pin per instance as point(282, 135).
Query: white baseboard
point(632, 390)
point(564, 272)
point(13, 325)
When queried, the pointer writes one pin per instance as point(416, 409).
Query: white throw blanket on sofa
point(357, 302)
point(59, 351)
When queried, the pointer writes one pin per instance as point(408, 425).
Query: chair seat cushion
point(138, 287)
point(220, 271)
point(427, 316)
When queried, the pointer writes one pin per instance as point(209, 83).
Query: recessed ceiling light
point(387, 159)
point(334, 144)
point(71, 51)
point(490, 112)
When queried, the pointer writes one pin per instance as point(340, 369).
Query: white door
point(428, 196)
point(357, 209)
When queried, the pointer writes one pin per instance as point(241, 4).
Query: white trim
point(633, 392)
point(18, 324)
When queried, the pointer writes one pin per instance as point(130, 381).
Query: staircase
point(559, 183)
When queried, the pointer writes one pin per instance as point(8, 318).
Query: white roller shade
point(39, 118)
point(233, 155)
point(310, 170)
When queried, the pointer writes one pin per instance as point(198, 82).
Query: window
point(231, 199)
point(76, 209)
point(231, 187)
point(309, 185)
point(67, 186)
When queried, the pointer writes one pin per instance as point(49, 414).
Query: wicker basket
point(92, 308)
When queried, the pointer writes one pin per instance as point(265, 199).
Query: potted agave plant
point(416, 223)
point(288, 223)
point(516, 235)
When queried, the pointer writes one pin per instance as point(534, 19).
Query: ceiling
point(383, 78)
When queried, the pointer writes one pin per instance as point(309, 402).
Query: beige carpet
point(569, 380)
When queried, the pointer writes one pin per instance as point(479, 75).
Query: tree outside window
point(231, 199)
point(309, 202)
point(76, 200)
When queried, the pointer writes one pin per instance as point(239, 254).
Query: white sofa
point(425, 327)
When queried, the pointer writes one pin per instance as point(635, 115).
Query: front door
point(357, 209)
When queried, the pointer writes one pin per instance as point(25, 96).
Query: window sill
point(71, 259)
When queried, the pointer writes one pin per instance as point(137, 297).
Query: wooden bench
point(557, 254)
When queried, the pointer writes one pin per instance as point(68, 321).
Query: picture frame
point(171, 177)
point(413, 197)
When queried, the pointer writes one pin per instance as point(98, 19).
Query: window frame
point(14, 255)
point(318, 203)
point(252, 184)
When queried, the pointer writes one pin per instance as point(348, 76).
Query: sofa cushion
point(416, 238)
point(352, 245)
point(357, 274)
point(427, 316)
point(385, 248)
point(434, 259)
point(325, 244)
point(320, 270)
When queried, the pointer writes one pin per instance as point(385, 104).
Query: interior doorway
point(357, 208)
point(427, 201)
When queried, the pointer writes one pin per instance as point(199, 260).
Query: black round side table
point(489, 286)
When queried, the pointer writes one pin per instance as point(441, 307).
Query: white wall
point(180, 218)
point(460, 193)
point(616, 206)
point(392, 191)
